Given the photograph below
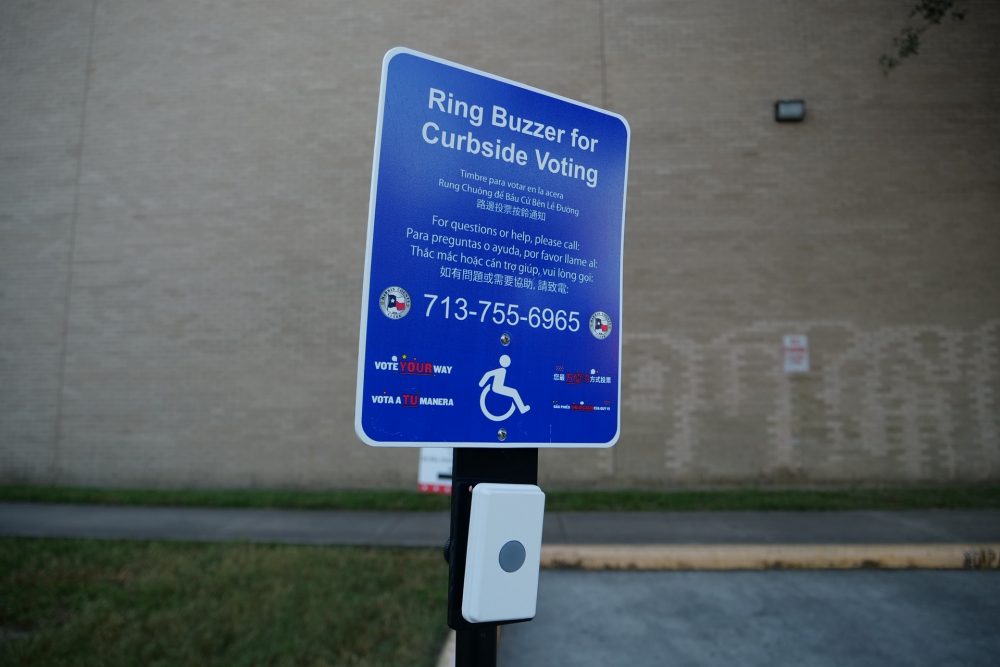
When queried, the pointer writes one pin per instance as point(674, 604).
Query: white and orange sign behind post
point(434, 475)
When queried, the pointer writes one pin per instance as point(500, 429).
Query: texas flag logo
point(600, 325)
point(394, 302)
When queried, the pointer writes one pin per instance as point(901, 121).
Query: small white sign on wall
point(434, 475)
point(796, 353)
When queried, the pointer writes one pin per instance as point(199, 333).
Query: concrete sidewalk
point(589, 540)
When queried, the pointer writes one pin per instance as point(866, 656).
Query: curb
point(772, 556)
point(447, 657)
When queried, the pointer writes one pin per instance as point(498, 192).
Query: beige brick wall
point(183, 201)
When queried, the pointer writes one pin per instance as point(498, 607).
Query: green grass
point(340, 500)
point(86, 602)
point(895, 498)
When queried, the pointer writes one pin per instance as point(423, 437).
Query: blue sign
point(493, 274)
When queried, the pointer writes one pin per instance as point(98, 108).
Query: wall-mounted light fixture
point(790, 111)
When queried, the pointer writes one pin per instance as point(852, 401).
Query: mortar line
point(71, 259)
point(604, 60)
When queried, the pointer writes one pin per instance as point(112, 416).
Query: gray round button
point(512, 556)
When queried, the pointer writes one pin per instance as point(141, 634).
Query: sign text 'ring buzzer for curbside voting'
point(491, 314)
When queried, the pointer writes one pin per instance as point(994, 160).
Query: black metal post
point(476, 643)
point(476, 646)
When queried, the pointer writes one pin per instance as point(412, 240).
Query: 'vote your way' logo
point(412, 366)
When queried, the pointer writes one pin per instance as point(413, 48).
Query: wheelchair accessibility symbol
point(498, 376)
